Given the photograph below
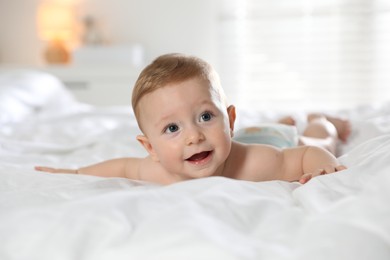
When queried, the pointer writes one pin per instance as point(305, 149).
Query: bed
point(345, 215)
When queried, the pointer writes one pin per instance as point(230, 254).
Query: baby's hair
point(173, 68)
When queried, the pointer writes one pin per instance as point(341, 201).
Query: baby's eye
point(206, 116)
point(171, 128)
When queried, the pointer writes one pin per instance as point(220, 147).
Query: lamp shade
point(56, 22)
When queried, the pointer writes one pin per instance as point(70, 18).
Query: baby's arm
point(305, 162)
point(123, 167)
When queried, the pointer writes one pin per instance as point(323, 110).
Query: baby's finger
point(340, 168)
point(50, 169)
point(319, 172)
point(305, 178)
point(44, 169)
point(330, 169)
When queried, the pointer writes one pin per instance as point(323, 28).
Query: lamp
point(56, 25)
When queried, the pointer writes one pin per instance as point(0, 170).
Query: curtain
point(314, 55)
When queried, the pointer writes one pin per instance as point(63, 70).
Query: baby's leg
point(287, 120)
point(324, 131)
point(343, 126)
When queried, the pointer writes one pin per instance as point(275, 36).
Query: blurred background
point(280, 54)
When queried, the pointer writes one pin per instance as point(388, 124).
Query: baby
point(187, 129)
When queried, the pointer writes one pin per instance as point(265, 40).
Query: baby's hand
point(54, 170)
point(307, 176)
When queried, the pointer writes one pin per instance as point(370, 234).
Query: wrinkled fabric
point(345, 215)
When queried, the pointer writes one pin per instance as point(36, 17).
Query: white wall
point(160, 26)
point(194, 27)
point(19, 42)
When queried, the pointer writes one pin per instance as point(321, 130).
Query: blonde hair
point(173, 68)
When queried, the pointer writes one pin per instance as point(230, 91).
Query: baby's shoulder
point(152, 171)
point(255, 162)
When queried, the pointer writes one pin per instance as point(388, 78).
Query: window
point(304, 54)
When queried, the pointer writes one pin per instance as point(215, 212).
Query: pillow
point(26, 92)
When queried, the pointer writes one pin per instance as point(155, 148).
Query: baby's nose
point(194, 136)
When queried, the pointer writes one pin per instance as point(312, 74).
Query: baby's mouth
point(199, 156)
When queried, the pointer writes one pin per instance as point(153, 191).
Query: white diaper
point(278, 135)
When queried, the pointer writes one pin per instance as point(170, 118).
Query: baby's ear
point(148, 146)
point(231, 110)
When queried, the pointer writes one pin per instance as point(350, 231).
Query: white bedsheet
point(44, 216)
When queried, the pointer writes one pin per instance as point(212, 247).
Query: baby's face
point(187, 128)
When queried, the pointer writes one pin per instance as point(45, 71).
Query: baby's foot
point(288, 120)
point(343, 126)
